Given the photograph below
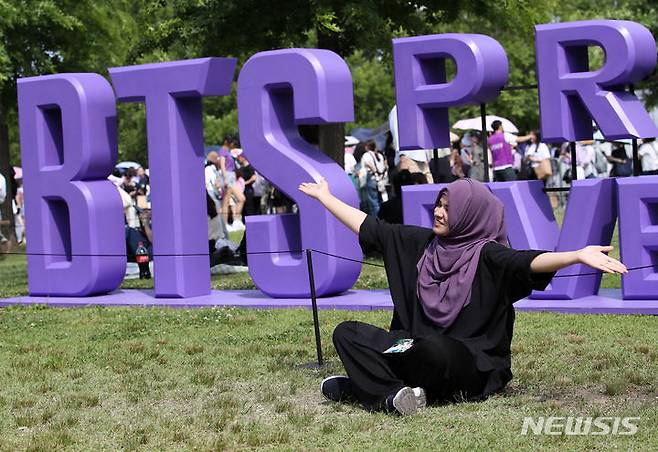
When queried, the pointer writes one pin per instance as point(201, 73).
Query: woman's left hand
point(595, 257)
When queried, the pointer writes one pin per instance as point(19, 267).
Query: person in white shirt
point(375, 165)
point(648, 154)
point(585, 157)
point(349, 162)
point(535, 153)
point(213, 186)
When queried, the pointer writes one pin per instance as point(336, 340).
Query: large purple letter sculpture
point(68, 148)
point(423, 96)
point(278, 90)
point(570, 96)
point(172, 93)
point(589, 220)
point(638, 235)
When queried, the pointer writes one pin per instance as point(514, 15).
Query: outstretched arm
point(594, 256)
point(346, 214)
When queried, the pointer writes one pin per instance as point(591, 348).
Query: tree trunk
point(331, 137)
point(9, 231)
point(332, 141)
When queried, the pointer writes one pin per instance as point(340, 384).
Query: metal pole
point(636, 157)
point(485, 152)
point(435, 165)
point(574, 165)
point(314, 304)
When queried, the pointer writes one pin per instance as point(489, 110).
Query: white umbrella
point(351, 141)
point(126, 165)
point(476, 124)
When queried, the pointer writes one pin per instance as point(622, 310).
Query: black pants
point(505, 175)
point(441, 365)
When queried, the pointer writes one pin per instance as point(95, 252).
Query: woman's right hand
point(315, 190)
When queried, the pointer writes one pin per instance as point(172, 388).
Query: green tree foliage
point(40, 37)
point(374, 92)
point(360, 31)
point(45, 36)
point(644, 12)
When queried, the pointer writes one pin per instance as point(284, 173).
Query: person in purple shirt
point(503, 157)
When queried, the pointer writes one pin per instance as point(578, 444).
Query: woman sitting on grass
point(452, 288)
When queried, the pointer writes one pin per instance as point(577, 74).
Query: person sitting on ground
point(453, 289)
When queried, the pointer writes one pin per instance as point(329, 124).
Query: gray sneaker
point(421, 398)
point(407, 401)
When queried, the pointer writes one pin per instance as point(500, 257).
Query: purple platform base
point(607, 302)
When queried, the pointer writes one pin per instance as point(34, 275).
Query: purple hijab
point(447, 268)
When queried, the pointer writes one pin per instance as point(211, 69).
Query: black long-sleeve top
point(486, 324)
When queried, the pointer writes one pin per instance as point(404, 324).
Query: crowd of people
point(234, 189)
point(510, 157)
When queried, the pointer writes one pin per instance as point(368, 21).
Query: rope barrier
point(372, 264)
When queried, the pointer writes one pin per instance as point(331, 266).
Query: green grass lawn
point(152, 378)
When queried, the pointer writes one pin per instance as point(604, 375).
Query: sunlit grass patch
point(233, 378)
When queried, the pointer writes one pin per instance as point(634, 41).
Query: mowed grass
point(109, 378)
point(209, 379)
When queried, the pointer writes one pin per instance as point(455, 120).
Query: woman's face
point(440, 226)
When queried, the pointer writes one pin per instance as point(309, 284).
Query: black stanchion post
point(485, 146)
point(435, 165)
point(636, 158)
point(574, 164)
point(314, 304)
